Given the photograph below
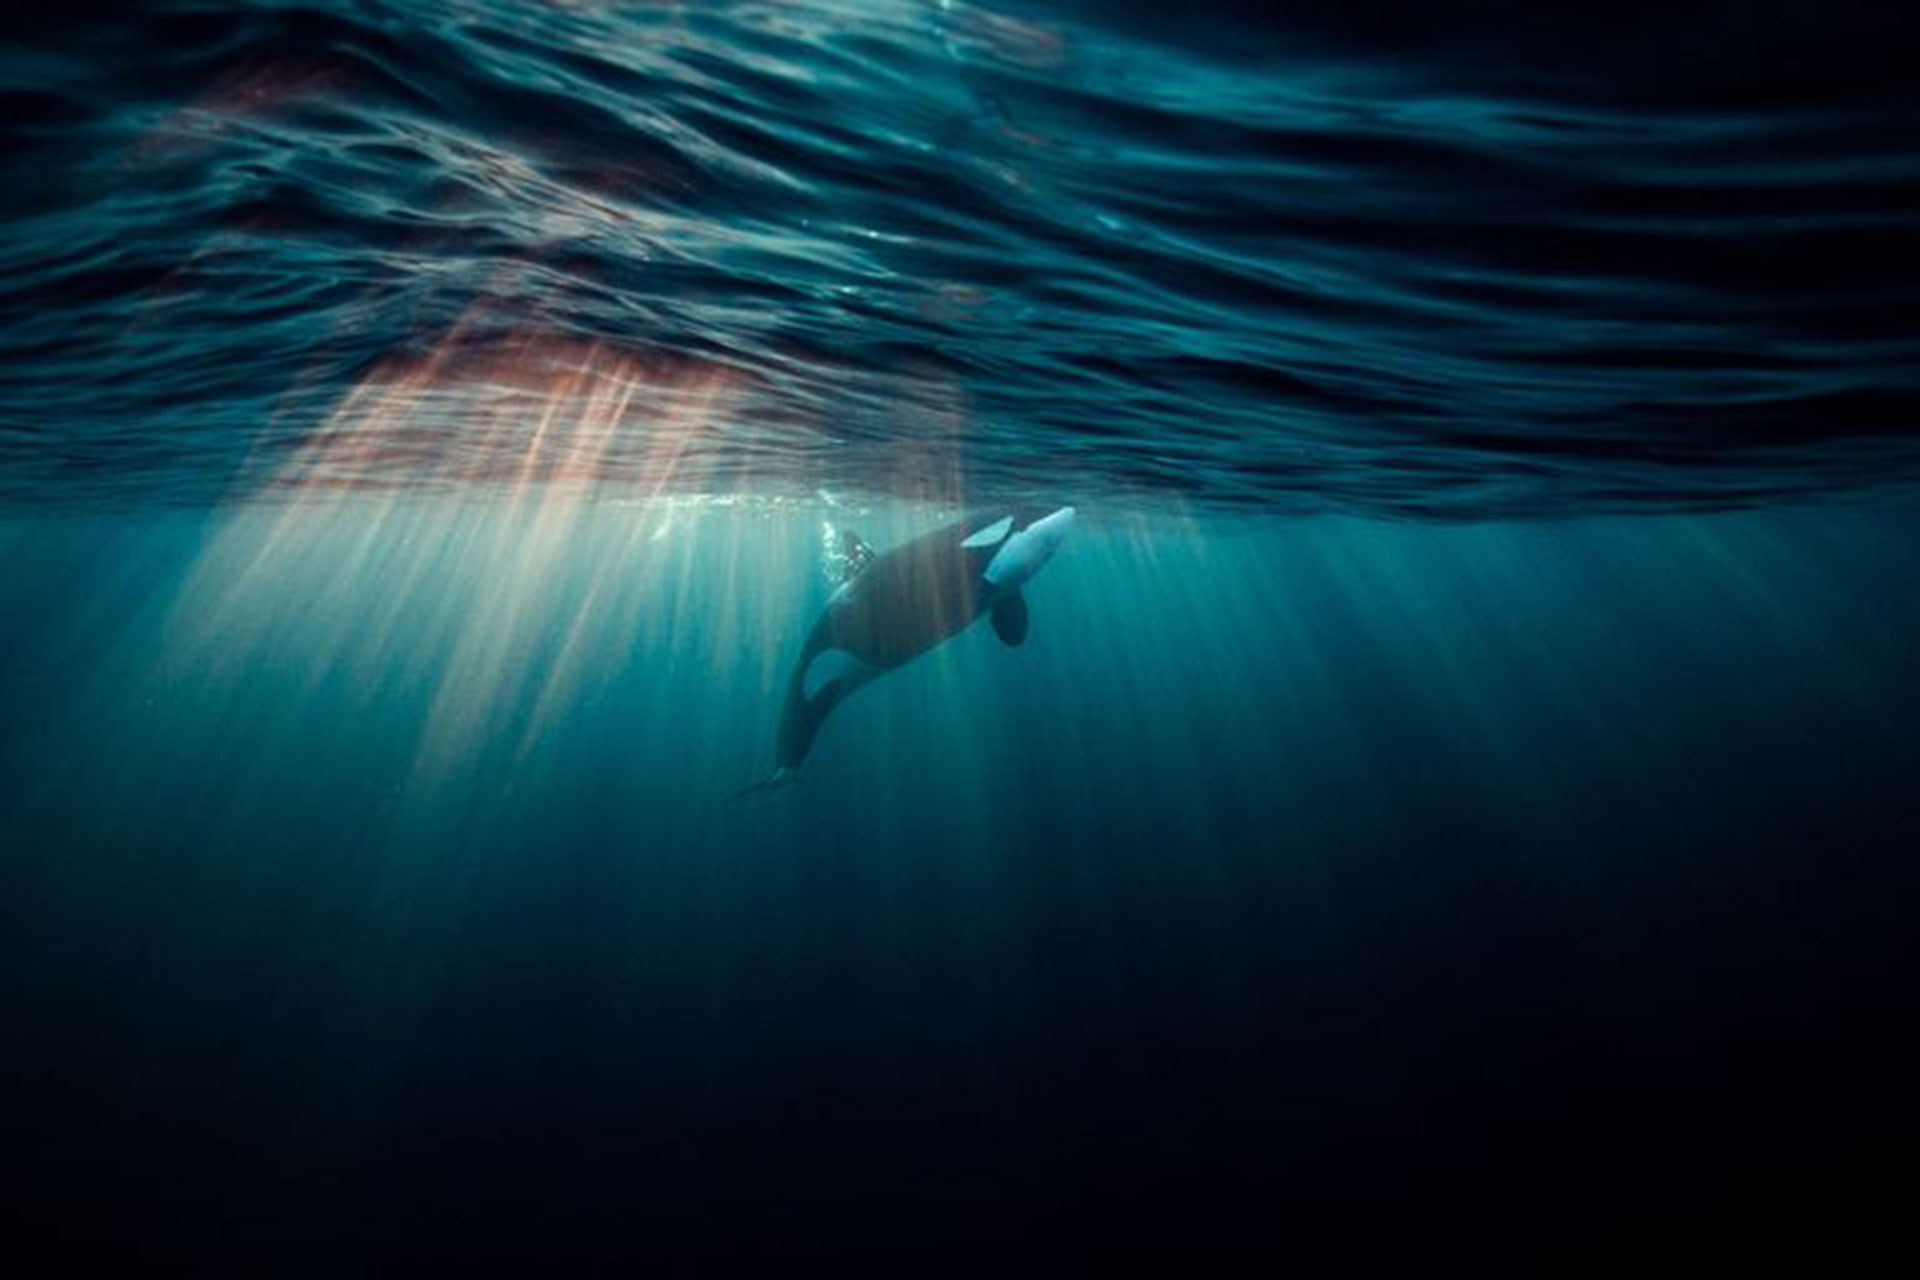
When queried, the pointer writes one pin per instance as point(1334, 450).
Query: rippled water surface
point(1381, 260)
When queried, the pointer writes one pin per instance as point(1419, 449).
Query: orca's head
point(1022, 545)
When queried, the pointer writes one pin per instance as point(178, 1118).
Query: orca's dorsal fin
point(1010, 618)
point(855, 555)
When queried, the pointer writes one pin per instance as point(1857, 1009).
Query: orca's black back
point(899, 606)
point(911, 598)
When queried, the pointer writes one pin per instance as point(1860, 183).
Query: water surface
point(1370, 260)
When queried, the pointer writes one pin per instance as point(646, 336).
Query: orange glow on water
point(558, 413)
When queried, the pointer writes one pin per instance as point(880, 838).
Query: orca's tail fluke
point(782, 777)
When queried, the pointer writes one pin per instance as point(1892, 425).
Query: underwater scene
point(927, 636)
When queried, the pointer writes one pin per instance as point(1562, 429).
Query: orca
point(893, 607)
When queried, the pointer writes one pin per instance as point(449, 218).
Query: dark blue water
point(1459, 789)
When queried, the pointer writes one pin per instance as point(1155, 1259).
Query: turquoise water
point(1458, 787)
point(369, 870)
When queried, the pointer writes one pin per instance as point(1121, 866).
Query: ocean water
point(1459, 787)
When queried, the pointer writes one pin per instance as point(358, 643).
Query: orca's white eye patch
point(990, 535)
point(828, 666)
point(1028, 550)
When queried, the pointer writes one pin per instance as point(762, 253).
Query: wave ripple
point(1357, 260)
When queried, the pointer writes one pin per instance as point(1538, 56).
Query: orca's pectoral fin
point(1010, 618)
